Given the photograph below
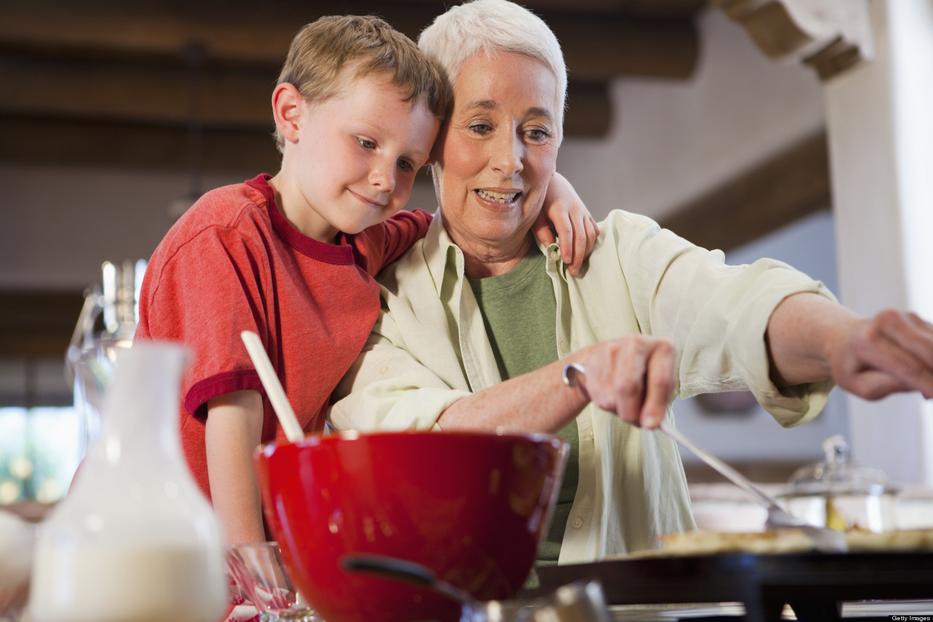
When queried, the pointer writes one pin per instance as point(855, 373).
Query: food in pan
point(835, 519)
point(784, 541)
point(903, 540)
point(711, 542)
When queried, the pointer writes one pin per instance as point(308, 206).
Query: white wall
point(60, 223)
point(672, 140)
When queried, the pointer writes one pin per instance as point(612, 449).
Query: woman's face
point(498, 151)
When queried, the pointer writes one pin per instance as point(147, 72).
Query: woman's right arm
point(632, 376)
point(234, 430)
point(389, 389)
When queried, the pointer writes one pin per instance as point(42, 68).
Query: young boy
point(357, 109)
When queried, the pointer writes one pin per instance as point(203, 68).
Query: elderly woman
point(484, 329)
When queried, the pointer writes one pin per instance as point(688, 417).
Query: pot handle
point(404, 570)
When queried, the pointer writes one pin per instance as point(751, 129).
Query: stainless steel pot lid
point(836, 475)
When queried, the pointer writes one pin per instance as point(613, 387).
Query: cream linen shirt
point(430, 348)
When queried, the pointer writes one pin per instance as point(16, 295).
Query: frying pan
point(813, 584)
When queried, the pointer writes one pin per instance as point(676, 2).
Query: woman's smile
point(498, 198)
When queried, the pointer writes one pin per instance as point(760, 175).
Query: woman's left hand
point(565, 213)
point(888, 353)
point(811, 338)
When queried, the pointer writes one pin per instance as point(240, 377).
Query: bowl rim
point(343, 436)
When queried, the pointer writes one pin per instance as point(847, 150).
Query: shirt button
point(577, 522)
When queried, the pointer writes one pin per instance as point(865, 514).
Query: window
point(41, 435)
point(40, 448)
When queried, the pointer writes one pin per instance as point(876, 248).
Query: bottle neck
point(140, 412)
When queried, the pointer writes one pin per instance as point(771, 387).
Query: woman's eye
point(406, 165)
point(537, 135)
point(480, 129)
point(366, 143)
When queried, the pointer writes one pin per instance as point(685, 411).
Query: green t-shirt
point(520, 313)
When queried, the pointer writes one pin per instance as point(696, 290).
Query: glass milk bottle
point(134, 540)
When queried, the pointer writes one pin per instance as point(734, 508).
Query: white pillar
point(880, 122)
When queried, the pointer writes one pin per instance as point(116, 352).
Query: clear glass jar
point(838, 494)
point(105, 326)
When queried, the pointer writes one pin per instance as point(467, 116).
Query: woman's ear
point(436, 181)
point(287, 108)
point(438, 147)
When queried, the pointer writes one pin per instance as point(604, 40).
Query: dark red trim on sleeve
point(217, 385)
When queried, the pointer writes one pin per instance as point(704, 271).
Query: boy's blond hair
point(324, 48)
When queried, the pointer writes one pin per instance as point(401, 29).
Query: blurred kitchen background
point(717, 119)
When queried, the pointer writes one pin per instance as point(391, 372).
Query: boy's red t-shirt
point(233, 262)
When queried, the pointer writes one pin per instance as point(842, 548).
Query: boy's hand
point(565, 213)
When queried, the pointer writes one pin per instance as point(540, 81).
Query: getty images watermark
point(912, 618)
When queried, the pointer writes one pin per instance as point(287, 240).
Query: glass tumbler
point(260, 574)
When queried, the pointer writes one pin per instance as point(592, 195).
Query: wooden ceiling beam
point(787, 187)
point(113, 114)
point(598, 46)
point(682, 8)
point(133, 146)
point(37, 323)
point(150, 132)
point(122, 92)
point(603, 48)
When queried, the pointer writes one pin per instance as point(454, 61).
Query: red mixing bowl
point(471, 507)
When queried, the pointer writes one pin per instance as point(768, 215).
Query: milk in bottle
point(134, 540)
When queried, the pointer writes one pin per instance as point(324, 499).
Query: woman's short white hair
point(489, 26)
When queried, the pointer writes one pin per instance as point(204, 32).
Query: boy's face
point(356, 156)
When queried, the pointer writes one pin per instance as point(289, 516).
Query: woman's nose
point(508, 155)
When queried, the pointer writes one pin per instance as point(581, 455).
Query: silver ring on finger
point(570, 373)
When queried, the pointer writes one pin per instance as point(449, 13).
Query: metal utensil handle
point(721, 467)
point(389, 566)
point(404, 570)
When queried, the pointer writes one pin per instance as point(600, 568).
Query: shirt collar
point(440, 252)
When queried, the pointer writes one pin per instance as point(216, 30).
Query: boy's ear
point(287, 108)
